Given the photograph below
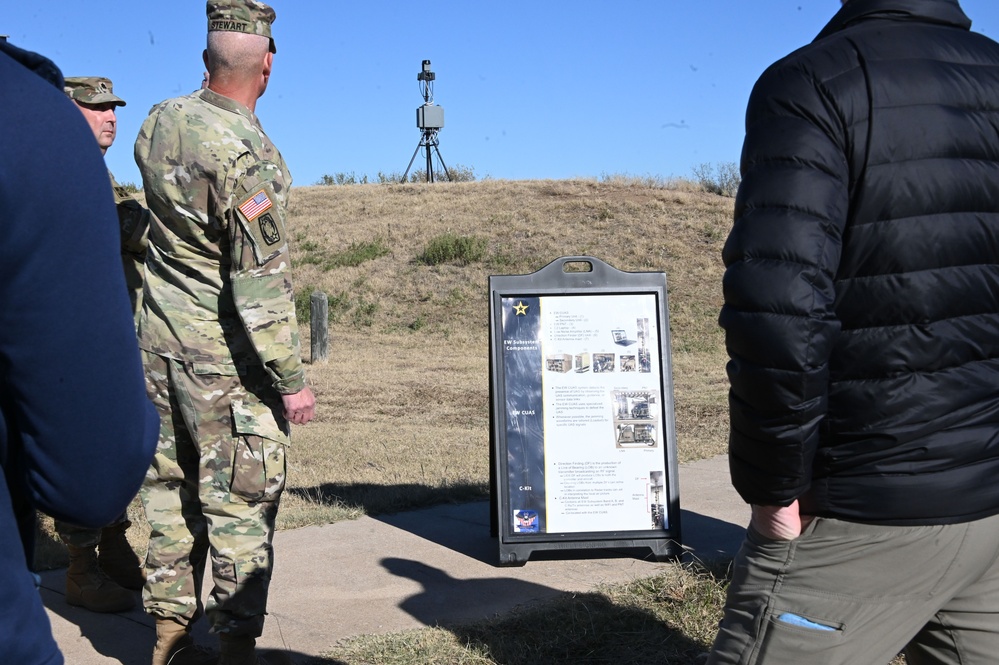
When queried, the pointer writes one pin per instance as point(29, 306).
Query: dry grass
point(670, 618)
point(403, 407)
point(403, 417)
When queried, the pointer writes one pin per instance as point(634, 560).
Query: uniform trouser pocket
point(258, 456)
point(258, 468)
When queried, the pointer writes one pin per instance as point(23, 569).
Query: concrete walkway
point(404, 571)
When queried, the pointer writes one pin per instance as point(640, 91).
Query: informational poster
point(584, 407)
point(586, 414)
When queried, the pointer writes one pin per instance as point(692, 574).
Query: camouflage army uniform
point(220, 342)
point(133, 219)
point(134, 222)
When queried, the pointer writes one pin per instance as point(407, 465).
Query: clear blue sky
point(529, 89)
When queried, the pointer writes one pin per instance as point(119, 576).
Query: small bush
point(339, 304)
point(356, 254)
point(389, 178)
point(303, 305)
point(722, 179)
point(364, 313)
point(461, 173)
point(341, 178)
point(310, 253)
point(456, 173)
point(452, 248)
point(131, 187)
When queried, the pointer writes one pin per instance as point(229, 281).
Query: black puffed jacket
point(862, 272)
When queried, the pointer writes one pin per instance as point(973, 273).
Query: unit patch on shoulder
point(269, 230)
point(255, 205)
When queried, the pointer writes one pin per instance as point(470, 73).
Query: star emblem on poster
point(520, 308)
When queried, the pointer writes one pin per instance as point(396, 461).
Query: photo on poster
point(621, 338)
point(558, 363)
point(525, 521)
point(603, 362)
point(657, 485)
point(636, 415)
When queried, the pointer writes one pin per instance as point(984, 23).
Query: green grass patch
point(310, 253)
point(356, 254)
point(453, 248)
point(303, 304)
point(364, 312)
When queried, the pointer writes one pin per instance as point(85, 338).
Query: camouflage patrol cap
point(92, 90)
point(247, 16)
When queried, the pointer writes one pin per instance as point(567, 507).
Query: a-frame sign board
point(582, 434)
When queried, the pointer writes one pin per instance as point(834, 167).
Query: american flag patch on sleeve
point(256, 205)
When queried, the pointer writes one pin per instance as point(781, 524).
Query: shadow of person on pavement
point(125, 637)
point(710, 539)
point(128, 637)
point(593, 629)
point(379, 499)
point(445, 599)
point(462, 528)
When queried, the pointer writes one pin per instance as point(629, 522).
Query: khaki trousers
point(847, 593)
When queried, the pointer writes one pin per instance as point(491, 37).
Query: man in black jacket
point(862, 322)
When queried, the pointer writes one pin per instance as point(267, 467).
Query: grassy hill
point(403, 400)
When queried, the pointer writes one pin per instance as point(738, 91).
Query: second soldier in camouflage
point(102, 566)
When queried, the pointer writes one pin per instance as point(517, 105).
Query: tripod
point(428, 141)
point(429, 119)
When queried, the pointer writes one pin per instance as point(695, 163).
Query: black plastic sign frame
point(582, 433)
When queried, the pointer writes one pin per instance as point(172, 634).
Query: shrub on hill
point(722, 179)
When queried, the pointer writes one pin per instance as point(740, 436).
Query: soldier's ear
point(204, 56)
point(265, 75)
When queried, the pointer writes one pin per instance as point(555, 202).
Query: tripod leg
point(430, 165)
point(446, 172)
point(413, 158)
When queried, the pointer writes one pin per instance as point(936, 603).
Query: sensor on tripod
point(429, 120)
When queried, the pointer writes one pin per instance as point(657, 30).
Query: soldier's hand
point(300, 407)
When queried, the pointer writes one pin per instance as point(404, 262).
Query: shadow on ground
point(591, 628)
point(375, 499)
point(128, 637)
point(465, 530)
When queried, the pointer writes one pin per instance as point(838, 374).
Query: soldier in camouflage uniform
point(102, 565)
point(220, 342)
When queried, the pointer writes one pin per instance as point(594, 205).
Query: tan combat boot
point(118, 560)
point(175, 646)
point(88, 587)
point(241, 650)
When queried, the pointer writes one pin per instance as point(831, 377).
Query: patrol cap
point(249, 16)
point(92, 90)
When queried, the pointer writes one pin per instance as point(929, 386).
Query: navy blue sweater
point(76, 430)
